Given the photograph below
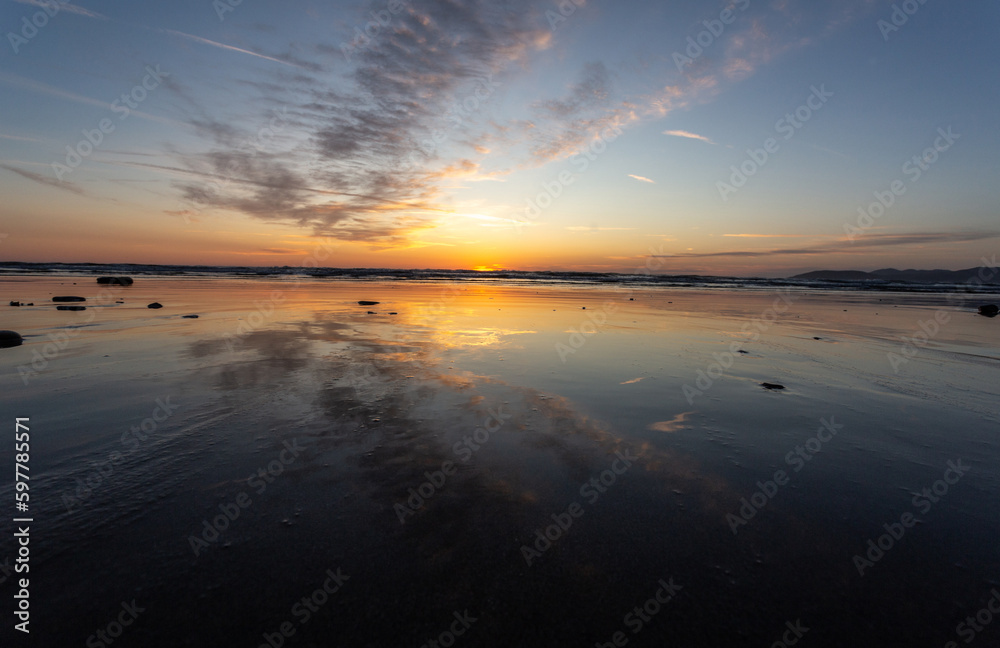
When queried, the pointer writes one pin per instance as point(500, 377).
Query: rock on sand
point(120, 281)
point(10, 339)
point(989, 310)
point(68, 298)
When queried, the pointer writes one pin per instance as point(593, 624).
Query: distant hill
point(905, 276)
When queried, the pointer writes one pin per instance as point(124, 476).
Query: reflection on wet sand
point(437, 443)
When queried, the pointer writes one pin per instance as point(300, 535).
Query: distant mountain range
point(904, 276)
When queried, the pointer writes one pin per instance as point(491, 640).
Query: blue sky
point(580, 142)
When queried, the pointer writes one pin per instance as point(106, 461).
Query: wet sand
point(414, 463)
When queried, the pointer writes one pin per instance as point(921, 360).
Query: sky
point(754, 137)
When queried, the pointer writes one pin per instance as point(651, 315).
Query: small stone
point(119, 281)
point(10, 339)
point(68, 298)
point(189, 317)
point(155, 305)
point(71, 308)
point(772, 386)
point(367, 303)
point(989, 310)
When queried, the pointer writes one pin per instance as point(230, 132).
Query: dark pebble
point(155, 305)
point(772, 386)
point(68, 298)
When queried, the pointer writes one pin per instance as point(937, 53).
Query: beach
point(486, 464)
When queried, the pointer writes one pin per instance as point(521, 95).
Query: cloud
point(205, 41)
point(766, 235)
point(19, 138)
point(586, 228)
point(641, 179)
point(44, 88)
point(498, 221)
point(362, 158)
point(688, 135)
point(593, 89)
point(373, 140)
point(846, 246)
point(560, 128)
point(67, 7)
point(45, 180)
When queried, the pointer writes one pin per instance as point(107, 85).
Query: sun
point(482, 268)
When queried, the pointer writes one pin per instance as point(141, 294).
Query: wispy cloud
point(766, 235)
point(44, 88)
point(70, 8)
point(846, 246)
point(641, 179)
point(205, 41)
point(587, 228)
point(688, 135)
point(45, 180)
point(497, 221)
point(19, 138)
point(52, 91)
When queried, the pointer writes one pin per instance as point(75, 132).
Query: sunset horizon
point(743, 139)
point(641, 269)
